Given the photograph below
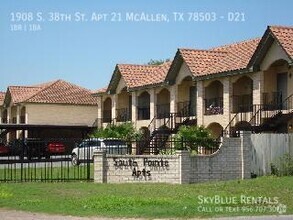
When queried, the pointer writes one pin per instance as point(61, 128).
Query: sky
point(42, 41)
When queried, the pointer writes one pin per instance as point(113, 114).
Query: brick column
point(258, 82)
point(100, 169)
point(184, 166)
point(173, 98)
point(100, 106)
point(9, 120)
point(134, 107)
point(199, 106)
point(246, 154)
point(17, 120)
point(114, 104)
point(153, 103)
point(227, 90)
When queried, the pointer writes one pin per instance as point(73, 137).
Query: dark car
point(15, 147)
point(4, 150)
point(36, 148)
point(40, 148)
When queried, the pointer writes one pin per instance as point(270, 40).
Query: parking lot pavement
point(7, 214)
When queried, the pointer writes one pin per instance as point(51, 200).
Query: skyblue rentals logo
point(240, 204)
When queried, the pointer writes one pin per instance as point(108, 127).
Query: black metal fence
point(168, 146)
point(53, 159)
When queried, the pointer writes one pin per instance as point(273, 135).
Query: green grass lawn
point(151, 200)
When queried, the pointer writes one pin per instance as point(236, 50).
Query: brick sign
point(142, 168)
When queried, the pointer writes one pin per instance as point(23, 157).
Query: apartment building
point(241, 86)
point(58, 103)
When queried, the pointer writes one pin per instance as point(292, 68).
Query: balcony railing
point(214, 106)
point(107, 116)
point(123, 115)
point(163, 111)
point(242, 103)
point(143, 113)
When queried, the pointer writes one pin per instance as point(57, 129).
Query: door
point(281, 89)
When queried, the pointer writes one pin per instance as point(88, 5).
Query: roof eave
point(225, 74)
point(174, 68)
point(116, 76)
point(151, 86)
point(263, 47)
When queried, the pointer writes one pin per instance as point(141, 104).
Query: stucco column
point(173, 98)
point(227, 90)
point(114, 104)
point(199, 107)
point(258, 82)
point(134, 107)
point(153, 103)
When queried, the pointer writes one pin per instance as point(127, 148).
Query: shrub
point(125, 131)
point(283, 166)
point(192, 137)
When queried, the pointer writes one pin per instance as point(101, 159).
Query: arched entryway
point(214, 98)
point(143, 107)
point(242, 94)
point(124, 103)
point(276, 85)
point(163, 103)
point(107, 111)
point(186, 105)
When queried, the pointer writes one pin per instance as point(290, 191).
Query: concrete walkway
point(6, 214)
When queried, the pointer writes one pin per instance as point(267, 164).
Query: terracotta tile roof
point(285, 37)
point(2, 97)
point(237, 57)
point(220, 59)
point(200, 60)
point(101, 90)
point(143, 75)
point(57, 92)
point(22, 93)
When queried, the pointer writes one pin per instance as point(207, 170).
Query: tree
point(157, 62)
point(191, 137)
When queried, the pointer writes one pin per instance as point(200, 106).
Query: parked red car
point(4, 150)
point(55, 148)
